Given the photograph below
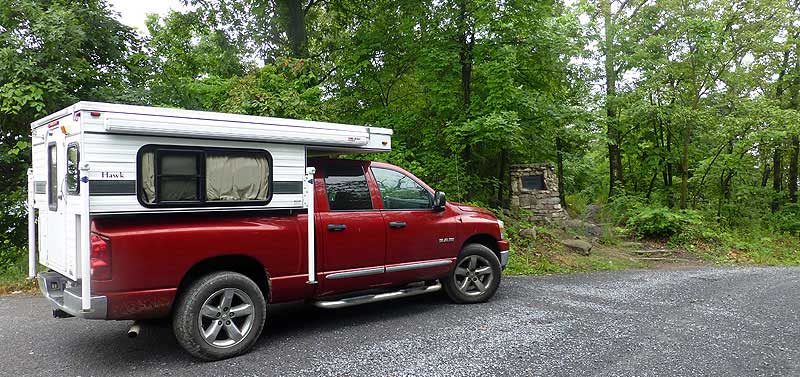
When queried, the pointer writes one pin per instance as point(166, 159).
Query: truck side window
point(52, 177)
point(346, 187)
point(73, 158)
point(200, 176)
point(399, 191)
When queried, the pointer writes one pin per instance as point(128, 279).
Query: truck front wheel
point(219, 315)
point(475, 277)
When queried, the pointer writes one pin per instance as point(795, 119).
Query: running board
point(358, 300)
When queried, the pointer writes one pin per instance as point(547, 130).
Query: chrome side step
point(358, 300)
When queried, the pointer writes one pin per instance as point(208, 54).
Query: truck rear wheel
point(475, 277)
point(220, 315)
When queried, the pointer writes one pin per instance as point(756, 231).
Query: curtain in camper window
point(148, 178)
point(236, 176)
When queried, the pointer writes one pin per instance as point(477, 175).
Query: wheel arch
point(243, 264)
point(483, 239)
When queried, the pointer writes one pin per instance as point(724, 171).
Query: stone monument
point(534, 187)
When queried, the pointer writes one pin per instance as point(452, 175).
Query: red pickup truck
point(382, 233)
point(144, 213)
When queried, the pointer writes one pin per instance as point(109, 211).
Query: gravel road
point(725, 322)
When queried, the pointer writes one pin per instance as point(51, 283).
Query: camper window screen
point(210, 177)
point(178, 176)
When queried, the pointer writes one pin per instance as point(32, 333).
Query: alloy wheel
point(473, 275)
point(226, 317)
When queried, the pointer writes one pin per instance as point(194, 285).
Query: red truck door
point(420, 242)
point(353, 250)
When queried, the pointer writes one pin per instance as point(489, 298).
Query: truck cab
point(381, 226)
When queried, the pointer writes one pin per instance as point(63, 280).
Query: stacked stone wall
point(544, 204)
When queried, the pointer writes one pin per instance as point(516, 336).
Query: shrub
point(622, 208)
point(663, 222)
point(788, 219)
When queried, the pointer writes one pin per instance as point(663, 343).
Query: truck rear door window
point(346, 188)
point(189, 176)
point(52, 177)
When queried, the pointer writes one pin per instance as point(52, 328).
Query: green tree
point(52, 54)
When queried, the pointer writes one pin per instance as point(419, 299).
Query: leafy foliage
point(52, 54)
point(688, 109)
point(661, 222)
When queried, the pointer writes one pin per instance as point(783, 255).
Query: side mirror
point(438, 201)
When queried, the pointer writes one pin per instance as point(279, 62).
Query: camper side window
point(178, 176)
point(190, 176)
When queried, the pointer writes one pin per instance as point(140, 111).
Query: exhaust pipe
point(134, 330)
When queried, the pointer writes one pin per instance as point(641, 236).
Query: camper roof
point(159, 121)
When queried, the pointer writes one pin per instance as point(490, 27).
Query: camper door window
point(170, 176)
point(52, 177)
point(73, 158)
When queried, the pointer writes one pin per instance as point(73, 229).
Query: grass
point(14, 278)
point(751, 247)
point(546, 255)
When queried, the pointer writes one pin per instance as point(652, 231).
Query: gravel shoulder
point(709, 321)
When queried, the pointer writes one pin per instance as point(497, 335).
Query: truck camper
point(206, 218)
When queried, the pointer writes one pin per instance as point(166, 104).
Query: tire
point(210, 304)
point(469, 283)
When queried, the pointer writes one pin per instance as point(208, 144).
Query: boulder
point(583, 228)
point(528, 233)
point(592, 211)
point(578, 245)
point(593, 230)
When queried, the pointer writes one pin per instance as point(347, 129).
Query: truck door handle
point(397, 224)
point(336, 227)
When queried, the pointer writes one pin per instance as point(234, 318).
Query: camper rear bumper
point(65, 295)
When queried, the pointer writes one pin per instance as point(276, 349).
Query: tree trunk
point(501, 173)
point(725, 183)
point(725, 187)
point(795, 140)
point(465, 57)
point(293, 15)
point(560, 172)
point(614, 155)
point(467, 42)
point(764, 160)
point(650, 185)
point(668, 169)
point(685, 167)
point(777, 178)
point(792, 184)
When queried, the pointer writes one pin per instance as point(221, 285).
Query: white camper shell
point(88, 161)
